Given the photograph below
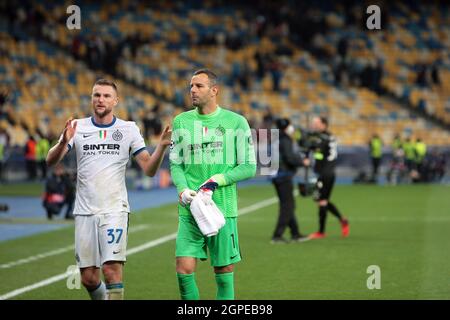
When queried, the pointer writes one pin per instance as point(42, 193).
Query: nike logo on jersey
point(86, 135)
point(116, 252)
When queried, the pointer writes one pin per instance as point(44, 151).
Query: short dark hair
point(282, 123)
point(106, 82)
point(324, 120)
point(212, 77)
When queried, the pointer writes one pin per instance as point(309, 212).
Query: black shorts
point(324, 186)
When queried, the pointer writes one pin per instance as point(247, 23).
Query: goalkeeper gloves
point(207, 189)
point(186, 196)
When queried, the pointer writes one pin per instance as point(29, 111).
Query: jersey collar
point(208, 116)
point(103, 125)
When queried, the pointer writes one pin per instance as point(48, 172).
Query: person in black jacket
point(289, 162)
point(59, 191)
point(324, 146)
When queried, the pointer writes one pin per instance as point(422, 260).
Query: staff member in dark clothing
point(324, 146)
point(58, 192)
point(289, 162)
point(70, 190)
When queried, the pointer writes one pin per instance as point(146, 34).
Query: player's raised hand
point(69, 130)
point(166, 136)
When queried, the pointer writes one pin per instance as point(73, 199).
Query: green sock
point(225, 286)
point(188, 287)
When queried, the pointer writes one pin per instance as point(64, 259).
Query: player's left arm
point(151, 163)
point(245, 157)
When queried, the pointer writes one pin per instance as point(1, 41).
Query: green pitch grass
point(32, 189)
point(404, 230)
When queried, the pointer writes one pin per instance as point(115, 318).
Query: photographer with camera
point(324, 146)
point(290, 160)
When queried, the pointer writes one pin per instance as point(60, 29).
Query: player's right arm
point(57, 152)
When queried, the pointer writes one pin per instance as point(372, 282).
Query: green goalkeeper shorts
point(223, 247)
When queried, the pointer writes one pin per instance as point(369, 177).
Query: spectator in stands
point(4, 143)
point(377, 77)
point(76, 47)
point(112, 54)
point(260, 65)
point(421, 79)
point(244, 77)
point(342, 47)
point(268, 119)
point(30, 157)
point(4, 93)
point(339, 69)
point(3, 97)
point(435, 78)
point(152, 122)
point(376, 152)
point(275, 68)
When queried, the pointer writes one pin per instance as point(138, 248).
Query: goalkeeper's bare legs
point(186, 265)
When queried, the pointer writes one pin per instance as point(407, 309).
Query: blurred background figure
point(437, 166)
point(42, 147)
point(420, 150)
point(4, 143)
point(376, 153)
point(397, 170)
point(324, 145)
point(323, 63)
point(59, 191)
point(397, 146)
point(408, 149)
point(290, 160)
point(30, 157)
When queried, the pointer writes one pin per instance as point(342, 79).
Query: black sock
point(322, 218)
point(332, 208)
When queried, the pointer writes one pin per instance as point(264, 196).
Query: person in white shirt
point(103, 145)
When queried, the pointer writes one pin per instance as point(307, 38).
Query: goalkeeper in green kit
point(211, 150)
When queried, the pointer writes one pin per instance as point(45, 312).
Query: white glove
point(186, 196)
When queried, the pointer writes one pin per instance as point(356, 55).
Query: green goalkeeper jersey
point(207, 145)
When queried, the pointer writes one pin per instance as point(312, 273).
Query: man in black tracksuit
point(324, 145)
point(289, 162)
point(59, 191)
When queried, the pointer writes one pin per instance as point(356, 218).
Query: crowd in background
point(410, 160)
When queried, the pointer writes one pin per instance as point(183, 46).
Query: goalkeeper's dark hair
point(212, 77)
point(324, 120)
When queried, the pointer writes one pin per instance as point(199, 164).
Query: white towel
point(209, 218)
